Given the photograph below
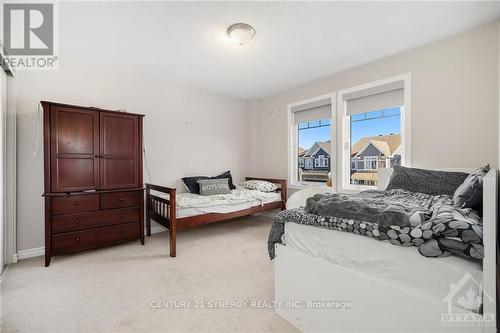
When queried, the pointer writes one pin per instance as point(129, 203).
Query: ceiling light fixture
point(240, 33)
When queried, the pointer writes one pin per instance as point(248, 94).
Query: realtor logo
point(465, 304)
point(29, 34)
point(28, 28)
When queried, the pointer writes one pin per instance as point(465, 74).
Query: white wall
point(454, 104)
point(187, 131)
point(190, 131)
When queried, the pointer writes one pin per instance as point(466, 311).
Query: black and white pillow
point(227, 175)
point(470, 193)
point(192, 186)
point(191, 183)
point(259, 185)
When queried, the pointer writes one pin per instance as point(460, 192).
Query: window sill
point(303, 186)
point(356, 189)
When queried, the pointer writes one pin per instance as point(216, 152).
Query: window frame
point(369, 160)
point(293, 180)
point(343, 137)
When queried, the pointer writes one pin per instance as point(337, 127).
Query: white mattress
point(189, 204)
point(401, 266)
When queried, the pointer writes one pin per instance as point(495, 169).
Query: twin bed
point(178, 211)
point(379, 287)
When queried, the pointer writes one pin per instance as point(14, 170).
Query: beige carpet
point(111, 289)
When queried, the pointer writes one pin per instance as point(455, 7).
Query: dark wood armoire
point(93, 178)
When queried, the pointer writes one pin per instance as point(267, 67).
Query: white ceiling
point(295, 42)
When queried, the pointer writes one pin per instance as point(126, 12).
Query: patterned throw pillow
point(259, 185)
point(214, 186)
point(470, 193)
point(426, 181)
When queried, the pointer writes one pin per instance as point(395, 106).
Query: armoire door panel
point(75, 133)
point(118, 172)
point(74, 149)
point(119, 149)
point(75, 173)
point(118, 136)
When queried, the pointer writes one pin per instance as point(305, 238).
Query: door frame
point(10, 230)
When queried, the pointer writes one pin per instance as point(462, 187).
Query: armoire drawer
point(88, 239)
point(121, 199)
point(75, 203)
point(81, 221)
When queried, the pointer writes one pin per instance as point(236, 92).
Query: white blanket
point(239, 195)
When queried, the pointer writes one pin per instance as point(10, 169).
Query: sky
point(359, 129)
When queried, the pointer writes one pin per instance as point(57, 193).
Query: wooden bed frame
point(163, 210)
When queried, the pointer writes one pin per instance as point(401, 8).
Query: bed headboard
point(490, 199)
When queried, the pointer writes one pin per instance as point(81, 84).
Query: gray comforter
point(401, 217)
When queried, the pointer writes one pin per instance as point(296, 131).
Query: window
point(314, 137)
point(371, 162)
point(321, 162)
point(375, 130)
point(350, 134)
point(375, 138)
point(310, 140)
point(308, 163)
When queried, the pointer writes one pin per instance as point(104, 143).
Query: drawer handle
point(122, 215)
point(77, 204)
point(122, 199)
point(77, 239)
point(77, 221)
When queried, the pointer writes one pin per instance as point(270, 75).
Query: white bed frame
point(376, 306)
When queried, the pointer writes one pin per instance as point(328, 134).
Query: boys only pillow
point(214, 186)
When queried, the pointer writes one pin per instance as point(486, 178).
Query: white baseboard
point(40, 251)
point(30, 253)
